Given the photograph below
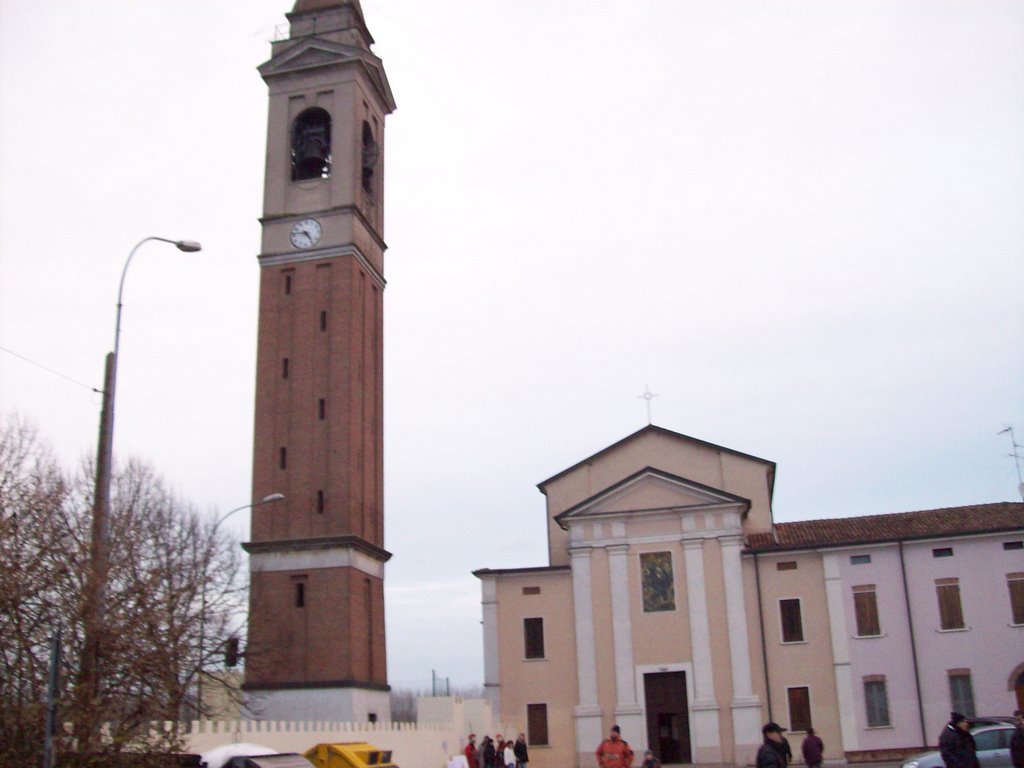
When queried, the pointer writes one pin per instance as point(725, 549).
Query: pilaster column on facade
point(587, 714)
point(840, 651)
point(746, 707)
point(704, 708)
point(492, 668)
point(627, 712)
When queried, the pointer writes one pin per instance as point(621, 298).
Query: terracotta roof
point(926, 524)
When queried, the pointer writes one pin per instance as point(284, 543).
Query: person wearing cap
point(471, 752)
point(614, 751)
point(1017, 741)
point(956, 745)
point(650, 761)
point(770, 753)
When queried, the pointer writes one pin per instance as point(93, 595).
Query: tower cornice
point(327, 542)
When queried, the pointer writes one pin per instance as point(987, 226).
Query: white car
point(992, 741)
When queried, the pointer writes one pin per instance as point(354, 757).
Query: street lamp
point(96, 581)
point(269, 499)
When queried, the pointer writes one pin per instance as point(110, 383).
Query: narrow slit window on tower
point(323, 320)
point(300, 594)
point(320, 502)
point(284, 367)
point(311, 145)
point(371, 154)
point(287, 285)
point(321, 409)
point(282, 459)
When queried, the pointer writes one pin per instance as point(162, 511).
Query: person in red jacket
point(614, 751)
point(471, 753)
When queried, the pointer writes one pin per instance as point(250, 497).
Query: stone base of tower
point(344, 704)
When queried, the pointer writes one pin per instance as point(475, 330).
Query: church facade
point(673, 606)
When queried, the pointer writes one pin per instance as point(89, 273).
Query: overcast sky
point(799, 222)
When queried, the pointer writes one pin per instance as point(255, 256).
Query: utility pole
point(51, 698)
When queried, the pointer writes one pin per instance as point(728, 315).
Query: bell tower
point(316, 607)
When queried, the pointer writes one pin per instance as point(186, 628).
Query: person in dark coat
point(522, 754)
point(1017, 741)
point(957, 745)
point(770, 753)
point(487, 753)
point(813, 749)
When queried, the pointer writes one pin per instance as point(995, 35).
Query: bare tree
point(173, 580)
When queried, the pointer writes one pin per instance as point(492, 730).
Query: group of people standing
point(497, 752)
point(776, 752)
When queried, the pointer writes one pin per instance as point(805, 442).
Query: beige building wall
point(551, 680)
point(808, 663)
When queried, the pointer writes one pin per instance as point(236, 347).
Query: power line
point(50, 370)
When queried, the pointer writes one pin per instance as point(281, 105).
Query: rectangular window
point(537, 724)
point(531, 590)
point(792, 622)
point(942, 552)
point(320, 502)
point(860, 559)
point(323, 320)
point(300, 594)
point(282, 459)
point(961, 694)
point(789, 565)
point(951, 615)
point(533, 638)
point(865, 606)
point(1015, 582)
point(657, 582)
point(876, 698)
point(799, 708)
point(284, 368)
point(287, 285)
point(321, 409)
point(1011, 545)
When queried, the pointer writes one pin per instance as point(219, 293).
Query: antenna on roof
point(648, 396)
point(1015, 456)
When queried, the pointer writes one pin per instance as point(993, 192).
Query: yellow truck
point(349, 754)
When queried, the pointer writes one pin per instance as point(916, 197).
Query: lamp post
point(96, 582)
point(269, 499)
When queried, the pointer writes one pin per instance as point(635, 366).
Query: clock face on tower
point(306, 233)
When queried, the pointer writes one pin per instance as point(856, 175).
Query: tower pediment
point(312, 53)
point(652, 491)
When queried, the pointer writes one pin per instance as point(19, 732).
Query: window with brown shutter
point(792, 622)
point(951, 615)
point(788, 565)
point(1015, 581)
point(533, 638)
point(537, 724)
point(799, 708)
point(865, 606)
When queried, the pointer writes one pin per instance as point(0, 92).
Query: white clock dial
point(306, 233)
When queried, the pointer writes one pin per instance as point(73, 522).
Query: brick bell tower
point(316, 612)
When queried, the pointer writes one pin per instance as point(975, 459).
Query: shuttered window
point(537, 724)
point(792, 622)
point(1015, 581)
point(951, 615)
point(799, 708)
point(533, 638)
point(876, 698)
point(961, 692)
point(865, 607)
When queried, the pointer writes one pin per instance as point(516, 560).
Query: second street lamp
point(269, 499)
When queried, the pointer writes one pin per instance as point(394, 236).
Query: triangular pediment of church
point(652, 490)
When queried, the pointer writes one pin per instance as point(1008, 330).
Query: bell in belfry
point(311, 145)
